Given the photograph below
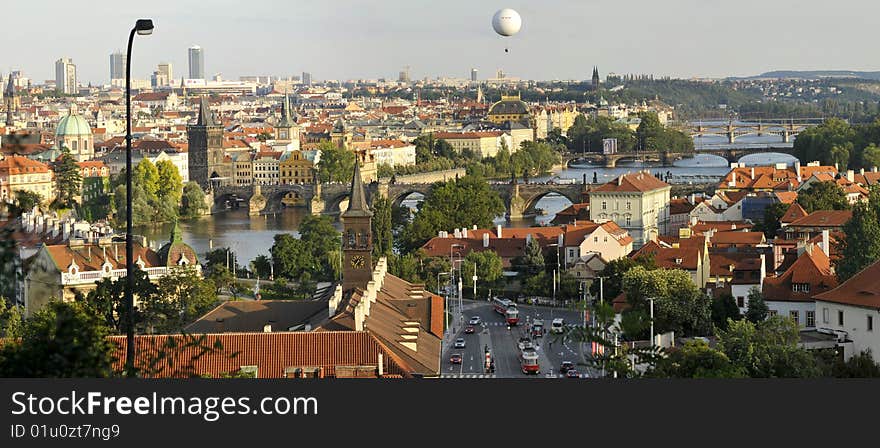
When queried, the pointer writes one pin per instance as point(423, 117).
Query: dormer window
point(678, 261)
point(800, 287)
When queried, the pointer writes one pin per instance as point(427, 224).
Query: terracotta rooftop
point(633, 182)
point(863, 289)
point(823, 218)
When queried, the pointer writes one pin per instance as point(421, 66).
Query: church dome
point(509, 105)
point(73, 124)
point(175, 252)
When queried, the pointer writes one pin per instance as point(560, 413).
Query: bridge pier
point(257, 203)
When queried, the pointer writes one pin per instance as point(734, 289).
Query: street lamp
point(651, 299)
point(556, 272)
point(142, 27)
point(446, 297)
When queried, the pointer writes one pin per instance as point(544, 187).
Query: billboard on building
point(609, 145)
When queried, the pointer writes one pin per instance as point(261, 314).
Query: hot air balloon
point(506, 22)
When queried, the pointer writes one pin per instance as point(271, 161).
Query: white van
point(557, 326)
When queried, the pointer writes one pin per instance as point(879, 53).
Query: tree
point(192, 201)
point(262, 266)
point(27, 200)
point(462, 202)
point(679, 305)
point(383, 242)
point(62, 340)
point(772, 214)
point(823, 196)
point(11, 320)
point(336, 164)
point(183, 296)
point(757, 310)
point(488, 268)
point(861, 247)
point(829, 142)
point(723, 309)
point(695, 359)
point(316, 252)
point(871, 156)
point(170, 183)
point(767, 349)
point(861, 365)
point(107, 301)
point(532, 261)
point(68, 180)
point(613, 275)
point(406, 266)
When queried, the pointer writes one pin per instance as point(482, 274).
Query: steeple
point(175, 233)
point(285, 113)
point(205, 117)
point(357, 202)
point(10, 101)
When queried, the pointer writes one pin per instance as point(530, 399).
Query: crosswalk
point(468, 375)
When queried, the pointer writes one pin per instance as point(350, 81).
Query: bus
point(557, 326)
point(529, 362)
point(507, 309)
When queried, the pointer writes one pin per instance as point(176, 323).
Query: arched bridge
point(732, 130)
point(666, 158)
point(519, 199)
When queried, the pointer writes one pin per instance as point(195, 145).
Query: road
point(494, 334)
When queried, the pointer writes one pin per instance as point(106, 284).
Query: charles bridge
point(330, 198)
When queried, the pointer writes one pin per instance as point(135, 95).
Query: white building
point(852, 311)
point(637, 202)
point(393, 152)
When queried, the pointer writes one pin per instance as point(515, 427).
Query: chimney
point(267, 328)
point(825, 247)
point(851, 175)
point(862, 171)
point(753, 173)
point(65, 229)
point(874, 169)
point(797, 169)
point(620, 180)
point(381, 364)
point(457, 233)
point(498, 230)
point(693, 221)
point(559, 240)
point(836, 167)
point(474, 227)
point(692, 198)
point(486, 240)
point(732, 182)
point(528, 238)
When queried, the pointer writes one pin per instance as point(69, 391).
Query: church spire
point(205, 118)
point(285, 112)
point(357, 201)
point(10, 101)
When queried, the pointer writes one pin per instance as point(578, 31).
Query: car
point(474, 320)
point(459, 343)
point(566, 366)
point(469, 329)
point(455, 358)
point(525, 343)
point(572, 373)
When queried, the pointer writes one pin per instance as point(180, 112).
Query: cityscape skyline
point(550, 46)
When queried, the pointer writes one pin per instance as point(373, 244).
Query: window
point(628, 221)
point(870, 325)
point(811, 318)
point(772, 313)
point(595, 239)
point(795, 316)
point(824, 315)
point(839, 317)
point(628, 205)
point(604, 205)
point(800, 287)
point(740, 301)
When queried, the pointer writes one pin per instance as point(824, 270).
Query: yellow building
point(510, 108)
point(485, 144)
point(19, 173)
point(296, 169)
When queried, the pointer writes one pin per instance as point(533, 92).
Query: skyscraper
point(403, 76)
point(117, 65)
point(65, 76)
point(165, 70)
point(473, 75)
point(196, 62)
point(307, 78)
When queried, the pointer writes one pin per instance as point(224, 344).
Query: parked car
point(459, 343)
point(566, 366)
point(474, 320)
point(469, 329)
point(525, 343)
point(572, 373)
point(455, 358)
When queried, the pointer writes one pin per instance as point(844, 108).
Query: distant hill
point(815, 74)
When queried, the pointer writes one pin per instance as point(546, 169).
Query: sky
point(351, 39)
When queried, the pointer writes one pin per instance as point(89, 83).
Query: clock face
point(357, 261)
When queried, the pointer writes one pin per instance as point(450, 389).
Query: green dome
point(73, 124)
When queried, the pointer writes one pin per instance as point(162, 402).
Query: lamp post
point(446, 297)
point(558, 271)
point(142, 27)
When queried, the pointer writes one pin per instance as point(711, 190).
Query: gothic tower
point(12, 102)
point(595, 78)
point(205, 147)
point(287, 130)
point(357, 244)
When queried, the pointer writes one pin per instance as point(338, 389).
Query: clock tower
point(357, 238)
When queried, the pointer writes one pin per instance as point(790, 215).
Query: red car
point(455, 358)
point(469, 329)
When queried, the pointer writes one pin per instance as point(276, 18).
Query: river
point(252, 236)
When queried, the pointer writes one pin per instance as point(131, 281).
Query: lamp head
point(144, 27)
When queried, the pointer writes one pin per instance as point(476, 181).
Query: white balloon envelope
point(506, 22)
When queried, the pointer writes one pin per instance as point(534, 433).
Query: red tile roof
point(794, 212)
point(14, 165)
point(863, 289)
point(632, 182)
point(824, 218)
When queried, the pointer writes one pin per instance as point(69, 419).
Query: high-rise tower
point(196, 58)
